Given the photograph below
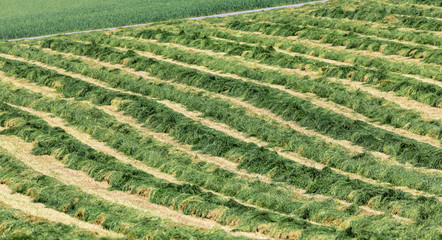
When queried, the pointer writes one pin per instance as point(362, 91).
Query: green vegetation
point(18, 225)
point(54, 194)
point(302, 111)
point(318, 122)
point(239, 119)
point(254, 159)
point(78, 117)
point(40, 17)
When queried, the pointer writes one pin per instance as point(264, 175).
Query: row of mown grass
point(187, 198)
point(336, 38)
point(301, 111)
point(251, 157)
point(74, 202)
point(315, 49)
point(196, 37)
point(239, 119)
point(376, 108)
point(409, 17)
point(138, 109)
point(16, 224)
point(301, 16)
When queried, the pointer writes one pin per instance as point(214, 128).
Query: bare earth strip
point(225, 164)
point(49, 166)
point(26, 205)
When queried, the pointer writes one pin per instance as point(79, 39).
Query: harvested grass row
point(301, 111)
point(378, 109)
point(250, 157)
point(186, 198)
point(16, 224)
point(238, 118)
point(89, 208)
point(415, 17)
point(426, 70)
point(199, 173)
point(420, 91)
point(419, 2)
point(336, 38)
point(365, 28)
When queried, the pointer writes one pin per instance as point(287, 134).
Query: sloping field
point(318, 122)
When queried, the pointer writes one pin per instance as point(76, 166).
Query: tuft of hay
point(390, 19)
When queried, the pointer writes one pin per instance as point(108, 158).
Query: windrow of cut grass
point(91, 208)
point(51, 167)
point(19, 225)
point(373, 219)
point(410, 17)
point(311, 47)
point(421, 91)
point(206, 175)
point(234, 102)
point(186, 198)
point(408, 85)
point(425, 3)
point(299, 123)
point(283, 100)
point(428, 73)
point(367, 29)
point(251, 157)
point(238, 135)
point(39, 213)
point(337, 38)
point(239, 119)
point(377, 220)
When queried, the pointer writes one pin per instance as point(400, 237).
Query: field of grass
point(41, 17)
point(317, 122)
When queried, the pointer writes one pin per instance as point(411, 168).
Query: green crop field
point(317, 122)
point(28, 18)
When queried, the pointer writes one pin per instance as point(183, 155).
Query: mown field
point(318, 122)
point(28, 18)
